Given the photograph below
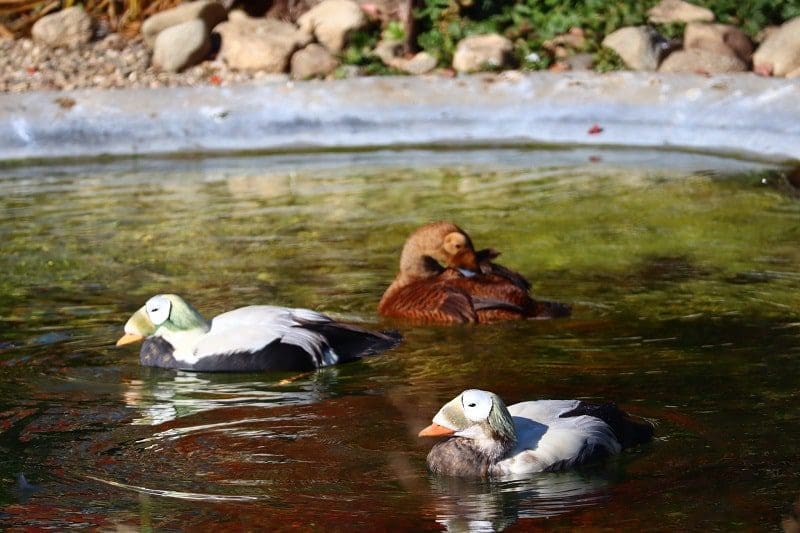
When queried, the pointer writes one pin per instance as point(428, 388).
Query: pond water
point(683, 271)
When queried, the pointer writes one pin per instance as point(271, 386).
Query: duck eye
point(473, 404)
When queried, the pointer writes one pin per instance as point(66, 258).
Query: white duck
point(488, 439)
point(248, 339)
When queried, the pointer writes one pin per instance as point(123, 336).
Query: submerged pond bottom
point(681, 268)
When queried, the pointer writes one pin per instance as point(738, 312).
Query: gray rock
point(67, 27)
point(259, 44)
point(699, 61)
point(718, 38)
point(181, 46)
point(481, 52)
point(581, 62)
point(779, 54)
point(638, 46)
point(668, 11)
point(209, 11)
point(331, 21)
point(312, 61)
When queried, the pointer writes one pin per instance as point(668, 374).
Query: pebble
point(114, 62)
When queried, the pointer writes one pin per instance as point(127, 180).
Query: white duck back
point(545, 440)
point(249, 329)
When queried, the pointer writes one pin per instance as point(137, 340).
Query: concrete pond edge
point(740, 115)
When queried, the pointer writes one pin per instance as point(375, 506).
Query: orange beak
point(435, 430)
point(129, 338)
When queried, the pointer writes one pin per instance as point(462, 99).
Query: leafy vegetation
point(529, 23)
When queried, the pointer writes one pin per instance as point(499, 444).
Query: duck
point(487, 439)
point(444, 280)
point(249, 339)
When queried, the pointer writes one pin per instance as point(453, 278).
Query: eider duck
point(249, 339)
point(442, 279)
point(486, 439)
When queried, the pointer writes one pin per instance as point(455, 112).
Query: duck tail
point(548, 309)
point(352, 342)
point(630, 430)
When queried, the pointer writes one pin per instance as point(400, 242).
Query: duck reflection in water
point(162, 396)
point(480, 505)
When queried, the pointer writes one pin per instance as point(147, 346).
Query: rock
point(581, 62)
point(668, 11)
point(259, 44)
point(421, 63)
point(331, 21)
point(210, 12)
point(700, 61)
point(312, 61)
point(482, 52)
point(718, 38)
point(181, 46)
point(575, 39)
point(780, 51)
point(390, 52)
point(67, 27)
point(639, 47)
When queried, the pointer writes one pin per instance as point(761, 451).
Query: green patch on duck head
point(184, 317)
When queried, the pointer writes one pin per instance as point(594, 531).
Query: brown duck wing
point(489, 268)
point(494, 288)
point(430, 301)
point(514, 277)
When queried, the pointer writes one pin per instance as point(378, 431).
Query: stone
point(779, 54)
point(718, 38)
point(259, 44)
point(181, 46)
point(68, 27)
point(390, 52)
point(482, 52)
point(639, 47)
point(581, 61)
point(700, 61)
point(209, 11)
point(669, 11)
point(312, 61)
point(331, 21)
point(421, 63)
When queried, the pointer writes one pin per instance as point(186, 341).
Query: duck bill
point(435, 430)
point(465, 260)
point(129, 338)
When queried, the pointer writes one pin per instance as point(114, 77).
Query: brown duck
point(443, 280)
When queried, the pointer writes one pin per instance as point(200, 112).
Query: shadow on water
point(682, 270)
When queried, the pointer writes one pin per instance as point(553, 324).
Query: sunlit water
point(683, 271)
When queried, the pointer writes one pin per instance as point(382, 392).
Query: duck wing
point(350, 342)
point(488, 267)
point(629, 431)
point(548, 442)
point(435, 301)
point(264, 337)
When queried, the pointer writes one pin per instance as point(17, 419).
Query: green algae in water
point(682, 270)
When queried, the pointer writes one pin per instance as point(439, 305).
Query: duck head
point(436, 244)
point(164, 315)
point(479, 416)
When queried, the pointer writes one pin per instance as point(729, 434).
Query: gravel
point(112, 62)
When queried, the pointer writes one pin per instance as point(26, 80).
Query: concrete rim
point(738, 115)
